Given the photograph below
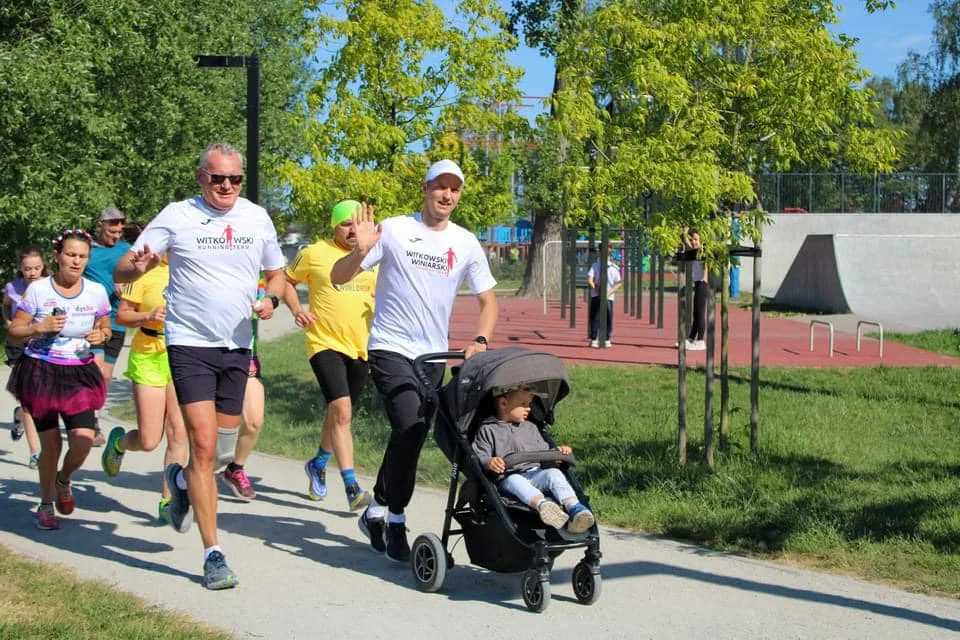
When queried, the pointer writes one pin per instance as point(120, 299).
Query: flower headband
point(79, 234)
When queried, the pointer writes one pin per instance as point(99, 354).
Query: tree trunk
point(725, 360)
point(547, 227)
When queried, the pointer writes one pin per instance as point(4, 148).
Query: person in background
point(613, 283)
point(337, 328)
point(698, 324)
point(30, 268)
point(143, 308)
point(108, 247)
point(60, 318)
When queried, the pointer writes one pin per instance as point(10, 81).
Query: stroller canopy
point(483, 372)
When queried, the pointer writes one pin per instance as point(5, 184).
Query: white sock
point(181, 481)
point(209, 550)
point(396, 518)
point(376, 511)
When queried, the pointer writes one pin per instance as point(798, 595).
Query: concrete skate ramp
point(900, 279)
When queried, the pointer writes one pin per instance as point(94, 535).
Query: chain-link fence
point(851, 193)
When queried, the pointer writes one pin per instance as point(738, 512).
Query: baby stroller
point(500, 533)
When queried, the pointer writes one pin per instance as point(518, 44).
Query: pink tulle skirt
point(46, 389)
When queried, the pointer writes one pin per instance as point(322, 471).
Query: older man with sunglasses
point(217, 244)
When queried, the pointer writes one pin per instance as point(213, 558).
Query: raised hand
point(366, 229)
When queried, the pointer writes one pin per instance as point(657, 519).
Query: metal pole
point(652, 271)
point(660, 286)
point(755, 360)
point(564, 259)
point(253, 128)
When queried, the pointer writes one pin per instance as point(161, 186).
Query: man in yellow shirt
point(337, 327)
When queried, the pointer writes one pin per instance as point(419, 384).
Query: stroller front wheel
point(429, 562)
point(586, 583)
point(536, 592)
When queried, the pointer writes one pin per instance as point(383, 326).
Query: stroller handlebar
point(426, 383)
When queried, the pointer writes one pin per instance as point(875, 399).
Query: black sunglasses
point(219, 178)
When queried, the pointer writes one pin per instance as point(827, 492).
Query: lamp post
point(252, 65)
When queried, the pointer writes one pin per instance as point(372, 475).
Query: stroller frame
point(498, 537)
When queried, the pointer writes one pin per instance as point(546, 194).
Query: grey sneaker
point(357, 498)
point(16, 430)
point(179, 512)
point(552, 514)
point(216, 574)
point(374, 530)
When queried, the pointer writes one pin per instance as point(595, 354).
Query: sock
point(209, 550)
point(46, 506)
point(233, 467)
point(376, 511)
point(61, 482)
point(181, 481)
point(396, 518)
point(226, 444)
point(349, 477)
point(322, 458)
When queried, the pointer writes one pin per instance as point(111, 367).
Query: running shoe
point(163, 511)
point(357, 498)
point(46, 518)
point(318, 481)
point(239, 484)
point(216, 574)
point(64, 502)
point(34, 460)
point(374, 530)
point(179, 510)
point(398, 549)
point(16, 429)
point(111, 458)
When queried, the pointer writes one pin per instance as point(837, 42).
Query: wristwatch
point(481, 340)
point(276, 302)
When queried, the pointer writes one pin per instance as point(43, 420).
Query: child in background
point(30, 268)
point(510, 432)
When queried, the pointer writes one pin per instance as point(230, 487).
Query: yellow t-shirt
point(343, 313)
point(147, 293)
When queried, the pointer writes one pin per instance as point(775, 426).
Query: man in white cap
point(423, 260)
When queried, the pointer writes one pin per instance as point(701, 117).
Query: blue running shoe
point(318, 481)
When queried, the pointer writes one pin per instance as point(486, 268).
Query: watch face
point(480, 340)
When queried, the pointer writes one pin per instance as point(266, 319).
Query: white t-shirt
point(70, 346)
point(420, 273)
point(613, 277)
point(215, 262)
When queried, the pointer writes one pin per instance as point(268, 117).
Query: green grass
point(857, 471)
point(945, 341)
point(44, 601)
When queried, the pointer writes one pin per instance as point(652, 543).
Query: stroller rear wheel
point(536, 591)
point(429, 562)
point(586, 583)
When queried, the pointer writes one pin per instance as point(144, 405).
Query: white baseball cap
point(442, 167)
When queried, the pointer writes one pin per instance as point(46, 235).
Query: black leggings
point(698, 326)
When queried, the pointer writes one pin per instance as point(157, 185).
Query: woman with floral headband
point(59, 318)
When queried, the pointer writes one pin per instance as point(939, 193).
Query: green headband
point(343, 211)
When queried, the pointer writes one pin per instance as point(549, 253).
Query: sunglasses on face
point(218, 178)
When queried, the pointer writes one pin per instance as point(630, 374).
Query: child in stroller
point(509, 432)
point(501, 533)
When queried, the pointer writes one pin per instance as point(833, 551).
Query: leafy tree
point(104, 103)
point(407, 84)
point(691, 99)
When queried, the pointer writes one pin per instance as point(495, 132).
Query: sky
point(884, 37)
